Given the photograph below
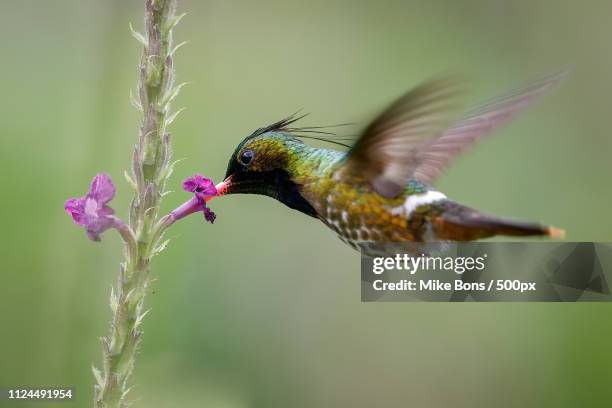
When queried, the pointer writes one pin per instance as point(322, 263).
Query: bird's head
point(259, 162)
point(268, 162)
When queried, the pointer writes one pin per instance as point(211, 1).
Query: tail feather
point(460, 223)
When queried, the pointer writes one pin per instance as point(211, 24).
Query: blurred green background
point(262, 309)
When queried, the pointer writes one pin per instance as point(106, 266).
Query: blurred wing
point(386, 153)
point(435, 157)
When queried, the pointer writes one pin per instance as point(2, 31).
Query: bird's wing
point(385, 154)
point(435, 156)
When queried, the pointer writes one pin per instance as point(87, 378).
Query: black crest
point(307, 132)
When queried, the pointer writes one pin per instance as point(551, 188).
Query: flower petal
point(75, 208)
point(102, 188)
point(94, 236)
point(105, 211)
point(190, 184)
point(207, 187)
point(209, 215)
point(200, 185)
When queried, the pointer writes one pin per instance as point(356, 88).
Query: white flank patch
point(414, 201)
point(345, 216)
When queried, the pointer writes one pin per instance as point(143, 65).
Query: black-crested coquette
point(380, 188)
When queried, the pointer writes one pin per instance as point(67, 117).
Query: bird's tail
point(459, 223)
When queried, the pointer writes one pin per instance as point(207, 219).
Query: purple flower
point(204, 189)
point(200, 185)
point(91, 211)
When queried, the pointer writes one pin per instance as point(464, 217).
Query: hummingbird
point(380, 187)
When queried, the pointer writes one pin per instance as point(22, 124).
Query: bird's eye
point(246, 157)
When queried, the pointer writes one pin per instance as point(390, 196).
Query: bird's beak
point(246, 183)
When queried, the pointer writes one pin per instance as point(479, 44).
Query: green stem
point(150, 170)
